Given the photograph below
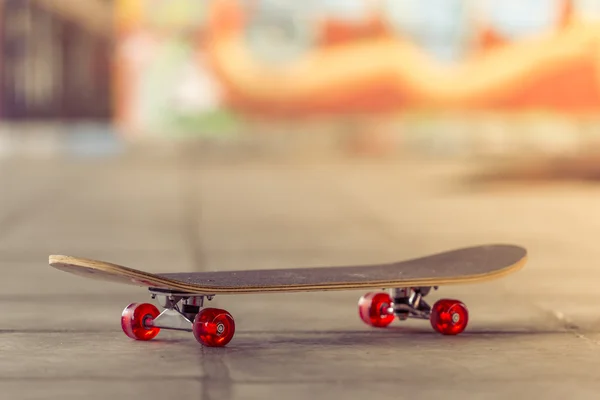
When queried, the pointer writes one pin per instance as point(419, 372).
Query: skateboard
point(400, 289)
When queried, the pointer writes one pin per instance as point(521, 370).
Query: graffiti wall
point(197, 67)
point(163, 82)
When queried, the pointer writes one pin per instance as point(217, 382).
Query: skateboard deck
point(409, 281)
point(459, 266)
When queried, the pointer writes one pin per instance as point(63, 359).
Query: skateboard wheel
point(136, 321)
point(213, 327)
point(373, 309)
point(449, 317)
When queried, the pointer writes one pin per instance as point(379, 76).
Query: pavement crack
point(572, 327)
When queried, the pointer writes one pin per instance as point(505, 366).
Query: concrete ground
point(532, 334)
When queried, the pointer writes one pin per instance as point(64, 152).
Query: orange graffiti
point(553, 70)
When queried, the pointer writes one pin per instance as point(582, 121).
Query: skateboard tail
point(107, 272)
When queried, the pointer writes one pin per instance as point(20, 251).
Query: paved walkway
point(532, 334)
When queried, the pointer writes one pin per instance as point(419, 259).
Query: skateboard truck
point(409, 303)
point(182, 312)
point(379, 309)
point(179, 311)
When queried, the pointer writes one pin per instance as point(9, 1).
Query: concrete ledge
point(438, 137)
point(39, 140)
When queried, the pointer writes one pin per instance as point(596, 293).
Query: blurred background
point(362, 77)
point(194, 135)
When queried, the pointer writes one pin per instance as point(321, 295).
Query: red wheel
point(136, 321)
point(449, 317)
point(373, 309)
point(213, 327)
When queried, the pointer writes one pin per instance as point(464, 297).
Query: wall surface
point(220, 67)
